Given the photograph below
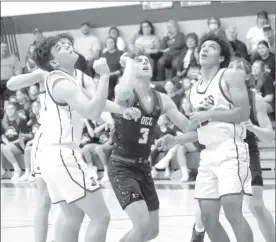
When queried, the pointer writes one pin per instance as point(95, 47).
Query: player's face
point(10, 110)
point(210, 54)
point(143, 67)
point(256, 68)
point(262, 50)
point(64, 55)
point(169, 87)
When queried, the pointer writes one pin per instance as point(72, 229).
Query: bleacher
point(267, 155)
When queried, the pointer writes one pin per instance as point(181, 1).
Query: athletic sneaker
point(16, 175)
point(197, 236)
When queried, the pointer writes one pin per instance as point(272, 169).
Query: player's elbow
point(10, 86)
point(244, 114)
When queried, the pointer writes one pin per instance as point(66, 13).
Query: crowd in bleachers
point(176, 68)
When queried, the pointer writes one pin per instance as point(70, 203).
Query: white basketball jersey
point(62, 125)
point(215, 97)
point(42, 101)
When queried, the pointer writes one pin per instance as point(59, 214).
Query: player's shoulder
point(55, 75)
point(233, 76)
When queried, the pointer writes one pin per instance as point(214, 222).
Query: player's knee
point(232, 207)
point(105, 218)
point(256, 206)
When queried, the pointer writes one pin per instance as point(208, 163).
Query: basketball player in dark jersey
point(129, 169)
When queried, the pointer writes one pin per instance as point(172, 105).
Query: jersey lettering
point(146, 121)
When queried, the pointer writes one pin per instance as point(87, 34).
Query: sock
point(199, 230)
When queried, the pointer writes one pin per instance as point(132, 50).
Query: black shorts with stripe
point(132, 182)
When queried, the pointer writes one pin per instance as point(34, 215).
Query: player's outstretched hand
point(166, 142)
point(132, 113)
point(101, 67)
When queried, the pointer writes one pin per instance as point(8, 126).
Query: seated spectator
point(172, 45)
point(158, 87)
point(186, 86)
point(267, 57)
point(10, 66)
point(264, 84)
point(189, 56)
point(14, 130)
point(186, 107)
point(148, 43)
point(256, 33)
point(23, 104)
point(38, 35)
point(194, 73)
point(113, 56)
point(88, 45)
point(33, 92)
point(270, 35)
point(81, 63)
point(29, 62)
point(239, 48)
point(34, 114)
point(103, 150)
point(12, 99)
point(162, 129)
point(170, 88)
point(27, 157)
point(214, 25)
point(115, 34)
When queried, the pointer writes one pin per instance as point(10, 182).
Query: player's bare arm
point(190, 134)
point(26, 80)
point(264, 131)
point(238, 94)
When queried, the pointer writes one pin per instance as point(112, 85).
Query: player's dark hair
point(42, 53)
point(225, 47)
point(66, 36)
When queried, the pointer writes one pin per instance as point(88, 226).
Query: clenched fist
point(132, 113)
point(101, 67)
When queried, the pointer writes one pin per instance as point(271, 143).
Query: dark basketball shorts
point(132, 182)
point(255, 168)
point(257, 178)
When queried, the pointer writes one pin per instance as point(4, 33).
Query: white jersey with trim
point(62, 125)
point(42, 102)
point(215, 97)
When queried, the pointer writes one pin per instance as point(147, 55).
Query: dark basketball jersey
point(251, 138)
point(134, 139)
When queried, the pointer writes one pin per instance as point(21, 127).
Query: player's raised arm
point(124, 90)
point(26, 80)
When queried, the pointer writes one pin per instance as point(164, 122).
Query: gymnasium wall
point(127, 18)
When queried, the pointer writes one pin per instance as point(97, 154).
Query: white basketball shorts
point(224, 170)
point(65, 174)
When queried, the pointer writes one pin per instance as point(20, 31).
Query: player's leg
point(42, 208)
point(258, 208)
point(94, 206)
point(207, 194)
point(235, 181)
point(124, 180)
point(198, 233)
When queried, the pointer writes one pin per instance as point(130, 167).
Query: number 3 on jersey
point(145, 136)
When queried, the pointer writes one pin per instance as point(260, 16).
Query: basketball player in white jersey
point(259, 126)
point(221, 105)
